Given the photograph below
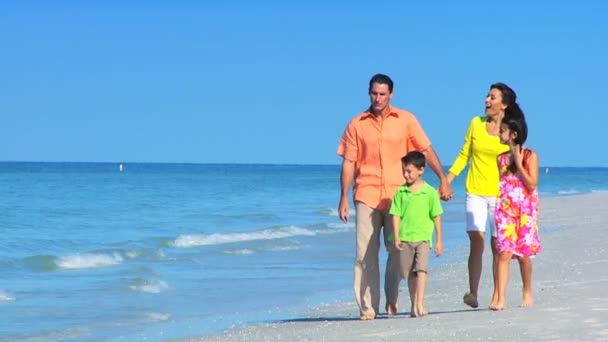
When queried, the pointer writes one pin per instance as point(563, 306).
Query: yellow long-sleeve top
point(481, 149)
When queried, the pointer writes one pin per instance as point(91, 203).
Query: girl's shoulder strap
point(527, 153)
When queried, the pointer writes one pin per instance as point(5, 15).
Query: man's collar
point(392, 112)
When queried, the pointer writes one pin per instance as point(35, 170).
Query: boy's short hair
point(415, 158)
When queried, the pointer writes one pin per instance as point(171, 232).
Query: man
point(372, 147)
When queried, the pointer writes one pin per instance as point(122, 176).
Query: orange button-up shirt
point(376, 146)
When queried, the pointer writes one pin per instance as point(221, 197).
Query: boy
point(416, 210)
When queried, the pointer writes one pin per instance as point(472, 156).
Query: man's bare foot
point(470, 300)
point(526, 300)
point(367, 317)
point(391, 309)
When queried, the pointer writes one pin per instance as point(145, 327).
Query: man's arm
point(445, 188)
point(347, 175)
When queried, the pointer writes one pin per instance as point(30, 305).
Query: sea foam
point(195, 240)
point(89, 260)
point(5, 297)
point(149, 286)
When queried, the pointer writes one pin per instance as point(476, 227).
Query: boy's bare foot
point(391, 309)
point(526, 300)
point(470, 300)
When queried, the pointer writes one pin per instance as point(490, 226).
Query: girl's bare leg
point(525, 268)
point(504, 259)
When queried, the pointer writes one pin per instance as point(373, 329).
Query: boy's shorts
point(414, 257)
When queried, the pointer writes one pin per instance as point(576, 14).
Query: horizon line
point(227, 163)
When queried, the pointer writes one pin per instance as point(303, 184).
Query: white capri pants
point(479, 212)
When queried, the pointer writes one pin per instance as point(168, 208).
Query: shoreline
point(568, 281)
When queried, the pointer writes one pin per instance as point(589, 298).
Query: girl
point(516, 207)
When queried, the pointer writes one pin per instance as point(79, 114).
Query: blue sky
point(277, 82)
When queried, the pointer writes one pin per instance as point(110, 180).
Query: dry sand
point(570, 283)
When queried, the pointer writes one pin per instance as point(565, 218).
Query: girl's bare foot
point(470, 300)
point(526, 300)
point(413, 312)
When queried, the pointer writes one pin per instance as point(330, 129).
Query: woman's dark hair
point(509, 98)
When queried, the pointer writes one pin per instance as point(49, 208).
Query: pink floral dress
point(516, 213)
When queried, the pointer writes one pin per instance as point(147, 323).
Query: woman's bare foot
point(391, 309)
point(367, 317)
point(470, 300)
point(421, 311)
point(526, 300)
point(497, 306)
point(494, 299)
point(413, 312)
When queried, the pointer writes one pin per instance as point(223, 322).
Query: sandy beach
point(570, 279)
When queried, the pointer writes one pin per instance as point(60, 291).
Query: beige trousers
point(369, 224)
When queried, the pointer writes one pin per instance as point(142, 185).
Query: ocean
point(157, 252)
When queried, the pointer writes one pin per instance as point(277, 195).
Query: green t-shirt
point(416, 210)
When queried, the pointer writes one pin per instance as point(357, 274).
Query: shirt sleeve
point(436, 208)
point(348, 148)
point(465, 151)
point(396, 205)
point(417, 137)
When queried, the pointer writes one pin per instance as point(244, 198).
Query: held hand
point(445, 191)
point(438, 248)
point(343, 210)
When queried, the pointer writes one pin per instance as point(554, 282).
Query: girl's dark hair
point(517, 123)
point(514, 118)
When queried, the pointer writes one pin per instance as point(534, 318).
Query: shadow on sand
point(381, 316)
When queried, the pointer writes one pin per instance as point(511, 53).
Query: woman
point(481, 148)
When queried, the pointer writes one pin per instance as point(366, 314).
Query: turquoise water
point(163, 251)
